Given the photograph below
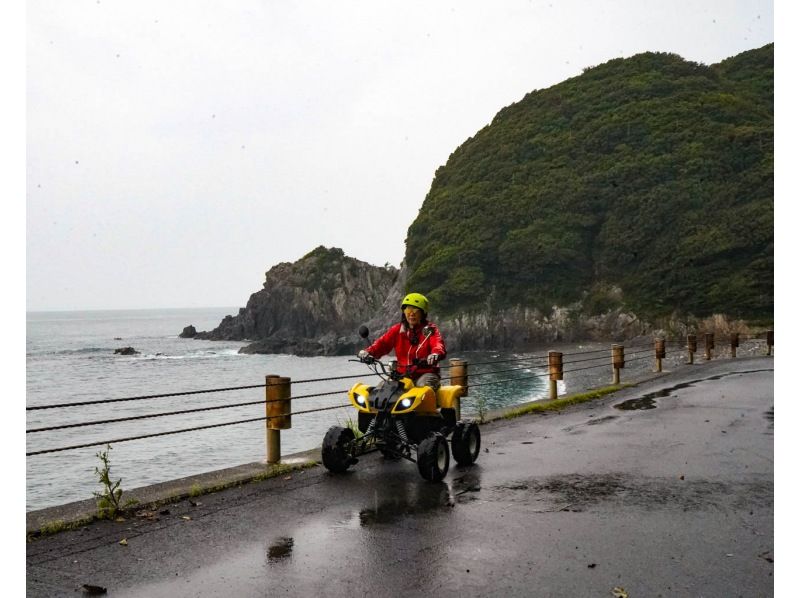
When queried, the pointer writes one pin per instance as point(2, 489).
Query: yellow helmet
point(415, 300)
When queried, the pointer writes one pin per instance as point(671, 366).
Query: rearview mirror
point(363, 332)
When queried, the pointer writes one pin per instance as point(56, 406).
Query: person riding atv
point(408, 415)
point(417, 343)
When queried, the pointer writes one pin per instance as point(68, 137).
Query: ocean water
point(70, 358)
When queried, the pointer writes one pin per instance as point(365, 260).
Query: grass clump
point(557, 404)
point(53, 527)
point(282, 469)
point(353, 425)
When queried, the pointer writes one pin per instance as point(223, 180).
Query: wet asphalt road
point(672, 496)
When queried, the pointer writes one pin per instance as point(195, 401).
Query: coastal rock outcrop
point(189, 332)
point(126, 351)
point(310, 307)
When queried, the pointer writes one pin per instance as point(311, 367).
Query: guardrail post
point(770, 339)
point(459, 375)
point(617, 361)
point(279, 414)
point(734, 344)
point(661, 352)
point(555, 365)
point(691, 347)
point(709, 342)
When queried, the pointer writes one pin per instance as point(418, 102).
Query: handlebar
point(387, 371)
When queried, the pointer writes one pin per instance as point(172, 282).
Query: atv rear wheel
point(336, 449)
point(466, 443)
point(433, 457)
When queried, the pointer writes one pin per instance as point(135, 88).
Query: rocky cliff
point(315, 306)
point(310, 307)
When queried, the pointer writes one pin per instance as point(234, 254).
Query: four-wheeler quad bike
point(403, 421)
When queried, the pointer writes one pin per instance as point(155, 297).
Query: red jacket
point(399, 337)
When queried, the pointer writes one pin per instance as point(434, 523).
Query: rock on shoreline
point(126, 351)
point(310, 307)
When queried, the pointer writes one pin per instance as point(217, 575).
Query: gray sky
point(178, 150)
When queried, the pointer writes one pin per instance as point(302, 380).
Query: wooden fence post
point(691, 346)
point(617, 361)
point(459, 376)
point(556, 367)
point(661, 352)
point(734, 344)
point(709, 336)
point(279, 414)
point(770, 341)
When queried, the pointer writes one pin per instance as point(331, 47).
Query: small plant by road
point(480, 403)
point(353, 425)
point(108, 500)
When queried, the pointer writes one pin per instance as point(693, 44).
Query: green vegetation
point(650, 174)
point(108, 505)
point(557, 404)
point(53, 527)
point(353, 425)
point(481, 406)
point(277, 470)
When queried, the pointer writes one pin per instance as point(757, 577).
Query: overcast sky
point(178, 150)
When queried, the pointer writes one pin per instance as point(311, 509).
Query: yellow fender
point(449, 397)
point(423, 400)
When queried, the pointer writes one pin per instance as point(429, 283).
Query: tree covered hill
point(645, 183)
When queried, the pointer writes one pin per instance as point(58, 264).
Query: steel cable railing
point(168, 413)
point(155, 434)
point(188, 392)
point(631, 357)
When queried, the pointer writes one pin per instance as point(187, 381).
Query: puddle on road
point(648, 400)
point(582, 492)
point(280, 550)
point(406, 501)
point(636, 404)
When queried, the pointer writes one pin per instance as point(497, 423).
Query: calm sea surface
point(70, 358)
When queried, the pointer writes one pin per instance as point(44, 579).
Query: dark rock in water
point(189, 332)
point(311, 307)
point(126, 351)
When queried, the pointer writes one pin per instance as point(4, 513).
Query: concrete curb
point(83, 511)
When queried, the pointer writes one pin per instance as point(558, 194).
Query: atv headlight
point(361, 401)
point(405, 403)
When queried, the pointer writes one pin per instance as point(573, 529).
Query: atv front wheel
point(336, 448)
point(466, 443)
point(433, 457)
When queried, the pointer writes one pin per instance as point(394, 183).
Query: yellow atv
point(403, 421)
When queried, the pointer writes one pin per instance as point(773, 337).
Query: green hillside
point(650, 174)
